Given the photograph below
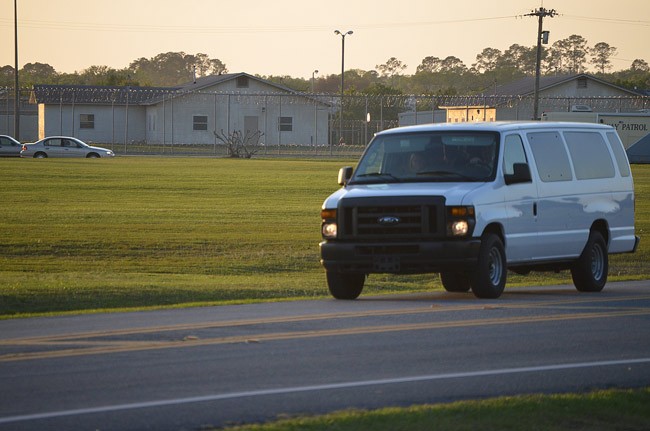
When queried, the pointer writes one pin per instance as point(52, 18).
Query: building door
point(251, 125)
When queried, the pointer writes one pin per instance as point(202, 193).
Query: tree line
point(442, 76)
point(163, 70)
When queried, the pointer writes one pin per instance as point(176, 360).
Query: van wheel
point(589, 272)
point(489, 277)
point(455, 281)
point(345, 286)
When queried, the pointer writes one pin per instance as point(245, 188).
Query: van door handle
point(535, 209)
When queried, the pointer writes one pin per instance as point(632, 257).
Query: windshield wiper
point(437, 173)
point(379, 174)
point(445, 173)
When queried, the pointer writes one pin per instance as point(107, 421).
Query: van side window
point(590, 156)
point(551, 158)
point(619, 153)
point(513, 153)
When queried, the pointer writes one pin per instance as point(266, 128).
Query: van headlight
point(460, 221)
point(459, 228)
point(329, 228)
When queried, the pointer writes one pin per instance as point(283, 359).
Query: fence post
point(126, 120)
point(381, 113)
point(60, 112)
point(365, 122)
point(266, 125)
point(7, 109)
point(215, 123)
point(171, 120)
point(113, 122)
point(72, 113)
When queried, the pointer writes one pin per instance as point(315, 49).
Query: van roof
point(495, 126)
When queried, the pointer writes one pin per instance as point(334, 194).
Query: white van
point(472, 200)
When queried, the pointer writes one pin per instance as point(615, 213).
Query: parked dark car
point(9, 147)
point(63, 146)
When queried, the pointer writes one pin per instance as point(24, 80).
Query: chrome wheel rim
point(597, 262)
point(496, 267)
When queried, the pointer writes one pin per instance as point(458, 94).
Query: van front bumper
point(399, 258)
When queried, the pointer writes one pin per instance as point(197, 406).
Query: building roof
point(94, 94)
point(526, 86)
point(208, 81)
point(133, 95)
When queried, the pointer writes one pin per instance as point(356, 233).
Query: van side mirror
point(345, 173)
point(520, 174)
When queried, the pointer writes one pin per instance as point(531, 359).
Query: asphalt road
point(188, 369)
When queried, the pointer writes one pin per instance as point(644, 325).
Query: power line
point(609, 20)
point(144, 28)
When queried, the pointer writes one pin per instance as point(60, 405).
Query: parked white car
point(63, 146)
point(473, 200)
point(9, 147)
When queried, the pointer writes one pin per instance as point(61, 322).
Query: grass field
point(595, 411)
point(139, 232)
point(135, 232)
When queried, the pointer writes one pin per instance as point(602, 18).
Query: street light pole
point(16, 89)
point(540, 14)
point(312, 80)
point(342, 79)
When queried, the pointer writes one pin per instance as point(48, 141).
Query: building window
point(86, 121)
point(286, 124)
point(242, 81)
point(582, 82)
point(200, 122)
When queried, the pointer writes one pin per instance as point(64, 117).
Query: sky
point(296, 37)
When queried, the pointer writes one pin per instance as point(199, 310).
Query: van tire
point(488, 279)
point(455, 281)
point(589, 272)
point(345, 286)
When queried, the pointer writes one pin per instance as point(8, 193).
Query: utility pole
point(542, 36)
point(340, 33)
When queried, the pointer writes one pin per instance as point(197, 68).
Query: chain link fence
point(168, 122)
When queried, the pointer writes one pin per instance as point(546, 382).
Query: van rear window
point(590, 155)
point(617, 148)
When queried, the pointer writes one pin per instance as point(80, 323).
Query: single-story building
point(193, 113)
point(514, 101)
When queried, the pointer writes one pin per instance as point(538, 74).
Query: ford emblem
point(388, 220)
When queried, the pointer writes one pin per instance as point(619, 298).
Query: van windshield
point(429, 157)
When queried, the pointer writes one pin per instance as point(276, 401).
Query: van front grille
point(391, 218)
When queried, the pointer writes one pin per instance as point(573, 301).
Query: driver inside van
point(431, 159)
